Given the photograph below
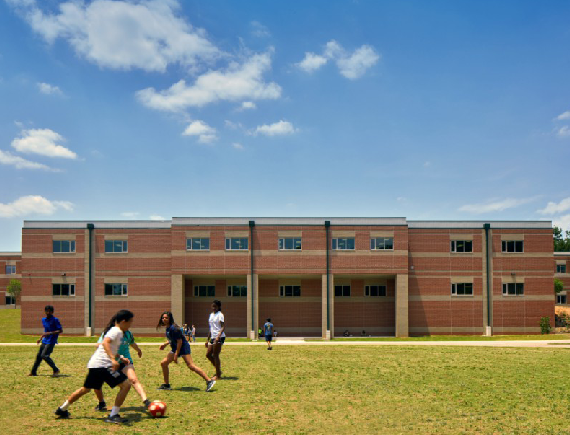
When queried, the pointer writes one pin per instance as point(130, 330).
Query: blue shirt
point(173, 334)
point(268, 328)
point(51, 324)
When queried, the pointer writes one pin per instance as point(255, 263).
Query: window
point(236, 244)
point(560, 299)
point(513, 289)
point(116, 289)
point(342, 290)
point(462, 289)
point(378, 243)
point(290, 244)
point(63, 289)
point(560, 268)
point(237, 290)
point(290, 291)
point(375, 290)
point(204, 290)
point(64, 246)
point(10, 269)
point(513, 246)
point(115, 246)
point(198, 244)
point(346, 243)
point(10, 300)
point(461, 246)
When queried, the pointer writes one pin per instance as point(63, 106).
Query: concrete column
point(253, 288)
point(402, 305)
point(327, 333)
point(178, 299)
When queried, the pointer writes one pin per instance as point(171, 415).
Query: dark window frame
point(346, 242)
point(9, 268)
point(462, 289)
point(289, 291)
point(461, 246)
point(513, 289)
point(376, 245)
point(342, 290)
point(193, 242)
point(110, 289)
point(296, 244)
point(63, 289)
point(381, 290)
point(63, 246)
point(237, 290)
point(205, 291)
point(512, 246)
point(240, 240)
point(114, 245)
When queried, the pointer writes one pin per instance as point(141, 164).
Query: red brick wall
point(15, 259)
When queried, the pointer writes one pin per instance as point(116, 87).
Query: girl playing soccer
point(180, 347)
point(216, 337)
point(129, 370)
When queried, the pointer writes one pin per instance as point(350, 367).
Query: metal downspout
point(487, 227)
point(90, 227)
point(251, 225)
point(327, 226)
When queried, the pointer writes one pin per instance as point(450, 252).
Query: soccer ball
point(157, 409)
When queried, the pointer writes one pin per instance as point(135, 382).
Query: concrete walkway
point(553, 344)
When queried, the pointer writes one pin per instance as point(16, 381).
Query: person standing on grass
point(52, 329)
point(193, 334)
point(105, 366)
point(129, 370)
point(216, 337)
point(268, 328)
point(180, 348)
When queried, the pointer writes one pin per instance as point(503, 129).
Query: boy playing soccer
point(104, 368)
point(52, 329)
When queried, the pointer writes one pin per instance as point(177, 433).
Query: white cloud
point(233, 125)
point(562, 222)
point(495, 206)
point(248, 105)
point(563, 116)
point(21, 163)
point(237, 82)
point(42, 141)
point(33, 204)
point(130, 214)
point(563, 131)
point(46, 88)
point(237, 146)
point(427, 164)
point(350, 65)
point(205, 133)
point(259, 30)
point(312, 62)
point(123, 34)
point(155, 217)
point(277, 129)
point(552, 207)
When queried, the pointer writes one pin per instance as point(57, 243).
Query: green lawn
point(311, 389)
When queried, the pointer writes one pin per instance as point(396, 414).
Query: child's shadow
point(229, 378)
point(186, 389)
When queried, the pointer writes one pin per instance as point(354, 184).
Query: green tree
point(558, 286)
point(561, 240)
point(14, 289)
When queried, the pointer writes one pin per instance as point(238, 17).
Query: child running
point(216, 337)
point(106, 366)
point(52, 329)
point(180, 347)
point(129, 370)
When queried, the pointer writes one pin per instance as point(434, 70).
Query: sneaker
point(147, 403)
point(101, 407)
point(61, 413)
point(33, 374)
point(164, 387)
point(56, 374)
point(210, 385)
point(117, 419)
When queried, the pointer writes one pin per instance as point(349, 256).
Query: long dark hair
point(170, 320)
point(218, 304)
point(118, 318)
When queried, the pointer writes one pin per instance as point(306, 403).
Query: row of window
point(69, 289)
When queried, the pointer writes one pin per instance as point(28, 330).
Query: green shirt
point(124, 348)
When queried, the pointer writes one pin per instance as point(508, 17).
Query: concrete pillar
point(253, 315)
point(327, 333)
point(178, 299)
point(402, 305)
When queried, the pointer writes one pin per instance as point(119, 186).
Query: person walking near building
point(268, 328)
point(179, 348)
point(216, 337)
point(52, 329)
point(193, 331)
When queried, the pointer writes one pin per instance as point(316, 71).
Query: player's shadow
point(186, 389)
point(60, 376)
point(229, 378)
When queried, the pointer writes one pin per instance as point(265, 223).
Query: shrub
point(545, 325)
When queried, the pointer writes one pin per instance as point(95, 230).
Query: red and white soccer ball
point(157, 409)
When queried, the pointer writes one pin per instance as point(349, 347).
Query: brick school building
point(314, 277)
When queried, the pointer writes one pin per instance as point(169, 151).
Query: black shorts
point(268, 338)
point(222, 339)
point(96, 377)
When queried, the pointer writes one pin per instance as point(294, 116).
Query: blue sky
point(436, 110)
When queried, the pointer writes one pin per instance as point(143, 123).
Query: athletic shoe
point(117, 419)
point(101, 407)
point(33, 374)
point(210, 385)
point(56, 374)
point(164, 387)
point(147, 403)
point(61, 413)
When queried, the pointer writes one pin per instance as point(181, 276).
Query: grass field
point(310, 389)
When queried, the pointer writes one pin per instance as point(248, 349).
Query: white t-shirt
point(215, 321)
point(100, 359)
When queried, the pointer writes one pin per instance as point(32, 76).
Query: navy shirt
point(51, 324)
point(173, 334)
point(268, 328)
